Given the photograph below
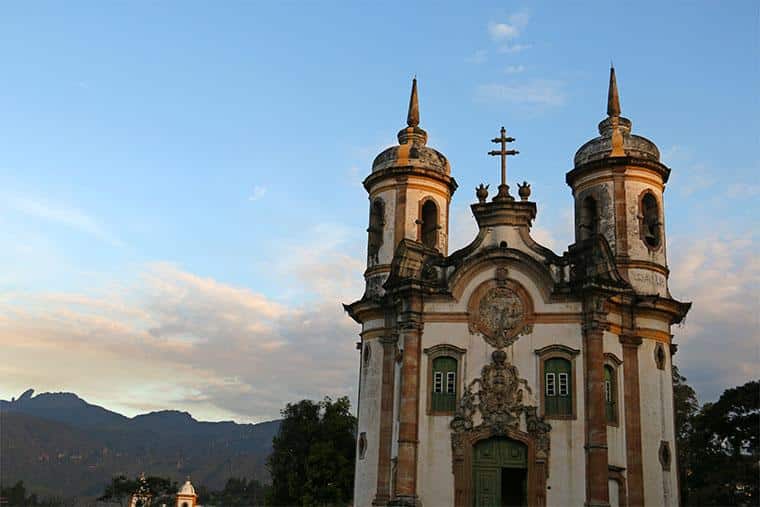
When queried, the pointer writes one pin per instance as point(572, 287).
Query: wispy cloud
point(539, 92)
point(61, 214)
point(720, 341)
point(257, 193)
point(510, 29)
point(514, 48)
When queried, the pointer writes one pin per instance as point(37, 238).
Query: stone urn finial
point(524, 190)
point(482, 193)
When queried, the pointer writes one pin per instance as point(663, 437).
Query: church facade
point(505, 373)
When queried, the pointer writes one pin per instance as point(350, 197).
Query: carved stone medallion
point(500, 316)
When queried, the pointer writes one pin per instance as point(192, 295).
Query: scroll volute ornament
point(501, 310)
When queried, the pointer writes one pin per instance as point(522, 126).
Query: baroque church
point(505, 373)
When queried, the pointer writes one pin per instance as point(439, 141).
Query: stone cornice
point(609, 162)
point(406, 171)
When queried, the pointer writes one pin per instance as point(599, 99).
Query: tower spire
point(613, 99)
point(413, 117)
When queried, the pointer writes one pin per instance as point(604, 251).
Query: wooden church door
point(500, 473)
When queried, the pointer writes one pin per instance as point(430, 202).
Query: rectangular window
point(450, 382)
point(551, 388)
point(607, 391)
point(563, 388)
point(438, 382)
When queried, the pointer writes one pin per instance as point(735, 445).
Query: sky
point(181, 208)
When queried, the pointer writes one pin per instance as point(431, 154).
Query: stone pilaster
point(597, 492)
point(383, 494)
point(406, 481)
point(633, 449)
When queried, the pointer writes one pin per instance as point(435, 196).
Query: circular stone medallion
point(500, 316)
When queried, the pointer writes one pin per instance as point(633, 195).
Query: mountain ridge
point(61, 445)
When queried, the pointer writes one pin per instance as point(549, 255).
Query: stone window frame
point(366, 356)
point(617, 475)
point(665, 455)
point(362, 445)
point(443, 350)
point(557, 351)
point(421, 224)
point(660, 358)
point(614, 363)
point(660, 221)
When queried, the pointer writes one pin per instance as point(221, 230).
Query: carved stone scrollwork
point(497, 396)
point(499, 404)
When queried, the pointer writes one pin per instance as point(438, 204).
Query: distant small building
point(186, 496)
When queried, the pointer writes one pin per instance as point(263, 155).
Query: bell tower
point(618, 183)
point(410, 191)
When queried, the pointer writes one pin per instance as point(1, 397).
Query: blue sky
point(180, 195)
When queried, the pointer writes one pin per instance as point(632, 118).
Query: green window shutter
point(444, 388)
point(610, 394)
point(558, 388)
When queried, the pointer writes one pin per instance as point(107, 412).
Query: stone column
point(632, 420)
point(597, 492)
point(383, 493)
point(406, 482)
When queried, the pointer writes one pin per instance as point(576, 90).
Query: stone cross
point(503, 152)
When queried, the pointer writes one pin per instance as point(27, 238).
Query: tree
point(312, 460)
point(718, 445)
point(686, 408)
point(161, 489)
point(237, 492)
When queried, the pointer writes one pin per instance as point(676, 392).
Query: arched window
point(429, 224)
point(558, 392)
point(589, 223)
point(610, 394)
point(375, 230)
point(444, 384)
point(650, 220)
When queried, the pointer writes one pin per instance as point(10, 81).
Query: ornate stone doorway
point(500, 473)
point(498, 441)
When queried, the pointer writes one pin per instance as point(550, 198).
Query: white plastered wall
point(660, 486)
point(370, 383)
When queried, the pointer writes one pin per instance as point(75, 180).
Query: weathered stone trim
point(616, 474)
point(597, 492)
point(385, 434)
point(631, 394)
point(408, 438)
point(399, 218)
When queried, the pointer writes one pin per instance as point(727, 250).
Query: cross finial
point(503, 153)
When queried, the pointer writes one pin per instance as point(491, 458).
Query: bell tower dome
point(618, 183)
point(410, 190)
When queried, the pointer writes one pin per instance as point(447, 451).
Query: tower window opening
point(589, 223)
point(650, 214)
point(429, 219)
point(375, 230)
